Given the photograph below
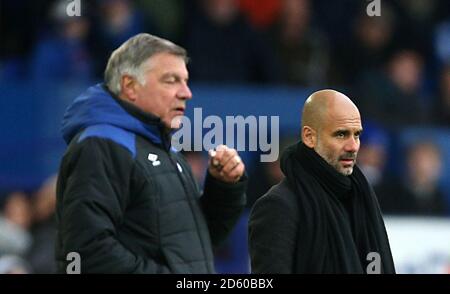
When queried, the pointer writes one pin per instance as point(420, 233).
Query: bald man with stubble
point(323, 217)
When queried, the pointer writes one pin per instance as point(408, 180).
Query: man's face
point(166, 91)
point(338, 139)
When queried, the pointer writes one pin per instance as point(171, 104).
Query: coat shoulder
point(279, 196)
point(280, 192)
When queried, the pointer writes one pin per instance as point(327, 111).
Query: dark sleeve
point(222, 204)
point(272, 236)
point(93, 199)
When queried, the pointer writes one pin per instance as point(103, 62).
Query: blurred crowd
point(27, 230)
point(395, 66)
point(401, 56)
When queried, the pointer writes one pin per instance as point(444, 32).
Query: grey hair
point(132, 55)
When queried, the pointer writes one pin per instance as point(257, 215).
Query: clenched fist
point(225, 164)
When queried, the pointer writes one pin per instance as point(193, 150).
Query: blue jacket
point(127, 202)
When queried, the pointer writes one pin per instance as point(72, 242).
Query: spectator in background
point(120, 21)
point(367, 48)
point(27, 230)
point(15, 221)
point(63, 53)
point(224, 47)
point(41, 255)
point(117, 21)
point(391, 96)
point(15, 239)
point(372, 154)
point(418, 193)
point(416, 19)
point(17, 209)
point(302, 50)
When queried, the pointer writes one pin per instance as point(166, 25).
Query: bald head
point(331, 125)
point(322, 104)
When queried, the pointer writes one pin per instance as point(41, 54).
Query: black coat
point(317, 221)
point(127, 202)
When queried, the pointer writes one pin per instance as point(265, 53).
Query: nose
point(184, 92)
point(352, 145)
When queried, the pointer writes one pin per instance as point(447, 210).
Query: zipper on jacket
point(166, 147)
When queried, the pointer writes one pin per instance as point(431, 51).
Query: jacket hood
point(98, 106)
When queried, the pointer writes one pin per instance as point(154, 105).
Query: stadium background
point(248, 57)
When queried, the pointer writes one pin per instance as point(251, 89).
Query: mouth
point(179, 110)
point(347, 161)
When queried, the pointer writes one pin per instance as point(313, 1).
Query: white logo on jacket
point(154, 159)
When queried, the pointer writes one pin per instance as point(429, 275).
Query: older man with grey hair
point(127, 202)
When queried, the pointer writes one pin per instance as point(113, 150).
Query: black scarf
point(340, 220)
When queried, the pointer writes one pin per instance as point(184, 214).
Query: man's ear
point(309, 136)
point(128, 88)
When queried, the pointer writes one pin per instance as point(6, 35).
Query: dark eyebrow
point(346, 132)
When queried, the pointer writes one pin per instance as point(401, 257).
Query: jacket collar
point(97, 105)
point(153, 123)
